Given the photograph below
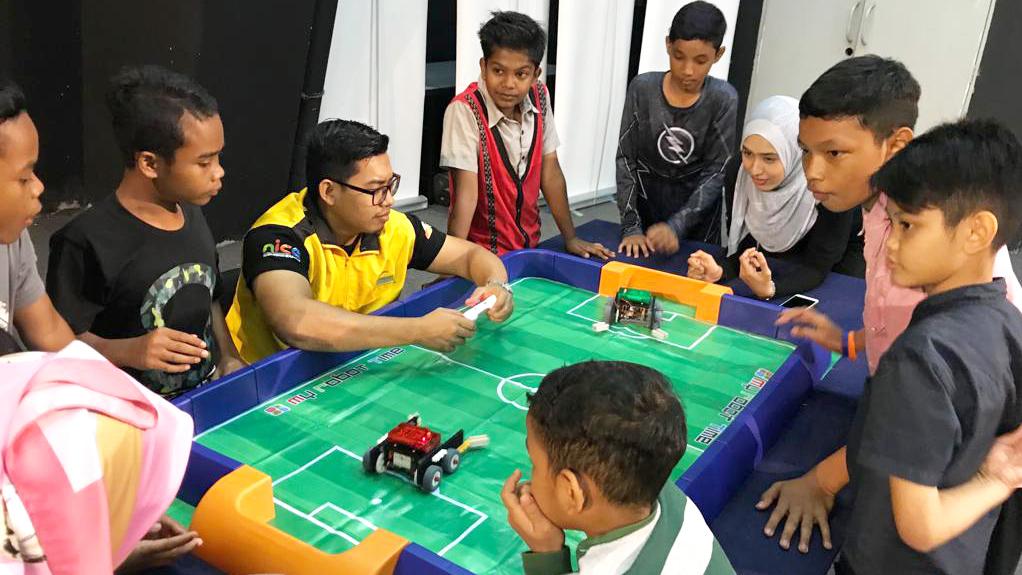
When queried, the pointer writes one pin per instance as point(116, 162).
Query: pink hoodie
point(50, 455)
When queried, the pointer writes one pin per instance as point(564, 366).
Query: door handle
point(867, 24)
point(852, 28)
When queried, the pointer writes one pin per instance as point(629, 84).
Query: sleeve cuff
point(552, 563)
point(31, 290)
point(550, 143)
point(464, 164)
point(913, 472)
point(631, 231)
point(679, 225)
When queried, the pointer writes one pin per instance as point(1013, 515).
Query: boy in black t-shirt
point(935, 451)
point(136, 275)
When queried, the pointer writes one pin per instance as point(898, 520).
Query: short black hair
point(618, 422)
point(513, 31)
point(699, 21)
point(960, 168)
point(880, 92)
point(12, 100)
point(147, 103)
point(334, 147)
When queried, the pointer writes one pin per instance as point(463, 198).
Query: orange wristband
point(852, 355)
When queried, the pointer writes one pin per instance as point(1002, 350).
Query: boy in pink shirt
point(889, 307)
point(855, 117)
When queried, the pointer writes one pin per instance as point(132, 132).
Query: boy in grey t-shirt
point(26, 313)
point(20, 287)
point(677, 136)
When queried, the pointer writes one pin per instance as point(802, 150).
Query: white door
point(799, 40)
point(939, 41)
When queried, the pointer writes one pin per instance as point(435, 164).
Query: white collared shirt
point(460, 146)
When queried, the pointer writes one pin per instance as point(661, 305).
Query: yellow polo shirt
point(363, 277)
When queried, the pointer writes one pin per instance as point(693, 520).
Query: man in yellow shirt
point(319, 260)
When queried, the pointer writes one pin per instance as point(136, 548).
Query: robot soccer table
point(276, 475)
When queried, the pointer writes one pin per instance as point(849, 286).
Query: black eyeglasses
point(379, 194)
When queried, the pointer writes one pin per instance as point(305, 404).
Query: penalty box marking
point(629, 333)
point(632, 334)
point(311, 517)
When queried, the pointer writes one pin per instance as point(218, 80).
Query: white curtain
point(474, 13)
point(376, 74)
point(593, 43)
point(593, 48)
point(659, 14)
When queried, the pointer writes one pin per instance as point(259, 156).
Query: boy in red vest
point(500, 145)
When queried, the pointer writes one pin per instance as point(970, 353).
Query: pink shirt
point(888, 307)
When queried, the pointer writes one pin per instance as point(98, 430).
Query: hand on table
point(663, 239)
point(813, 326)
point(702, 267)
point(635, 246)
point(166, 541)
point(585, 249)
point(527, 519)
point(755, 272)
point(805, 503)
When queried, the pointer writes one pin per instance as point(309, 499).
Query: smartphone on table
point(799, 300)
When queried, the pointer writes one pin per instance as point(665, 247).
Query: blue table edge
point(736, 450)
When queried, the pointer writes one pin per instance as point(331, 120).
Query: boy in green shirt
point(603, 437)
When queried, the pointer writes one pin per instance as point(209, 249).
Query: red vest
point(507, 213)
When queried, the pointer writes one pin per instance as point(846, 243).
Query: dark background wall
point(113, 36)
point(254, 59)
point(251, 56)
point(441, 19)
point(260, 60)
point(743, 52)
point(40, 48)
point(998, 92)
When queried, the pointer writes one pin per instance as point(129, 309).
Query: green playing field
point(311, 439)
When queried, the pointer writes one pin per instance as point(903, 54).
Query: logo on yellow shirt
point(280, 250)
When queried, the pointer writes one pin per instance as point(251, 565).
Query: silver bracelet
point(503, 285)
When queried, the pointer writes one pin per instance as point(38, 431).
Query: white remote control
point(477, 310)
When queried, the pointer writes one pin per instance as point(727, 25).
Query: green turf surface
point(181, 512)
point(312, 445)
